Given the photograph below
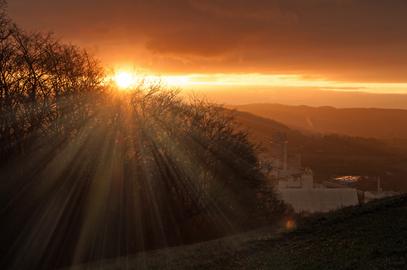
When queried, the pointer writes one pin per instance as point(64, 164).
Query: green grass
point(373, 236)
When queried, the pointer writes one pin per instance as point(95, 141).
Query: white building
point(300, 191)
point(376, 195)
point(295, 185)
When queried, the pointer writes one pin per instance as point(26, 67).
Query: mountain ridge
point(376, 123)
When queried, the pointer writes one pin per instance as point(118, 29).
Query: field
point(373, 236)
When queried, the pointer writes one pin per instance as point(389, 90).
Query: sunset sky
point(322, 44)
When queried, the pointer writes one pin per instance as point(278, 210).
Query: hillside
point(360, 122)
point(373, 236)
point(329, 155)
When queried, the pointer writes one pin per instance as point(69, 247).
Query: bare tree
point(45, 87)
point(150, 167)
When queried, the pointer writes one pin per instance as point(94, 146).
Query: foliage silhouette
point(89, 172)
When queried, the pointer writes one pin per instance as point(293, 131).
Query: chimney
point(379, 188)
point(285, 155)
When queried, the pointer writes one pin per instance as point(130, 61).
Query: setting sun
point(124, 79)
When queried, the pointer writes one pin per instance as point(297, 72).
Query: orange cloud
point(352, 40)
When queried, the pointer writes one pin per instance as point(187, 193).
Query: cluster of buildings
point(296, 186)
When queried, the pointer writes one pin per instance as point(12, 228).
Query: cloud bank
point(359, 40)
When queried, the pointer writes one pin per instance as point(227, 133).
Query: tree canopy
point(89, 172)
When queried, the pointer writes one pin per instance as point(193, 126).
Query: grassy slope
point(373, 236)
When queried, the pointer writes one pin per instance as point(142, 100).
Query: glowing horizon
point(125, 79)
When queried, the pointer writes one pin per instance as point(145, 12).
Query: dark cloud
point(342, 39)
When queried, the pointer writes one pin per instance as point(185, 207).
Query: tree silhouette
point(89, 172)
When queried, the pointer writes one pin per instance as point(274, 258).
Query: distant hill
point(373, 236)
point(307, 96)
point(359, 122)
